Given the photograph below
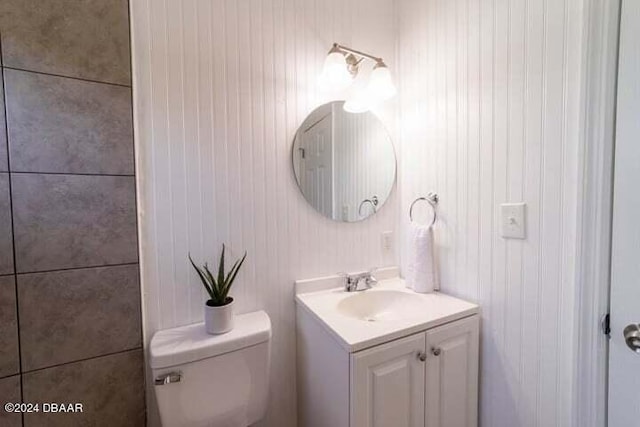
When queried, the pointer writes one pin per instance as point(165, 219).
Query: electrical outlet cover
point(387, 240)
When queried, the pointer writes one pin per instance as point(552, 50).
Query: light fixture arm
point(357, 52)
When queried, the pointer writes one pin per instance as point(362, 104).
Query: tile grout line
point(4, 377)
point(57, 365)
point(72, 174)
point(122, 264)
point(43, 73)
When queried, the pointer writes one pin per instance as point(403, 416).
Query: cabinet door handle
point(436, 351)
point(422, 356)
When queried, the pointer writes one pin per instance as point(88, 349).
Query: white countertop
point(356, 334)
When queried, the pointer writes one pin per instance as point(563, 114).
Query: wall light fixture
point(341, 67)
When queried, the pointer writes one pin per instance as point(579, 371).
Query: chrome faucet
point(352, 281)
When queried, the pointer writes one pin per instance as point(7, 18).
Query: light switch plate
point(513, 221)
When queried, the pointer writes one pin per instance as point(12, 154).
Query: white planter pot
point(218, 320)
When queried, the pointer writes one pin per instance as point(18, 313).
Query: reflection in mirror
point(344, 163)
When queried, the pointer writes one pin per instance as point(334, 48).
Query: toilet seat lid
point(185, 344)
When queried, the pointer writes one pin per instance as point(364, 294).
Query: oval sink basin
point(374, 306)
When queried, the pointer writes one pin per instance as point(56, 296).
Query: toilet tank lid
point(177, 346)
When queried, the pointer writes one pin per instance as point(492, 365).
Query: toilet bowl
point(212, 380)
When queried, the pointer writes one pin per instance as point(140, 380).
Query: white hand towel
point(411, 255)
point(421, 274)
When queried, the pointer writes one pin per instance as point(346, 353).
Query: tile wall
point(70, 322)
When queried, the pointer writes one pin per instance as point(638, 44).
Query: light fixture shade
point(359, 102)
point(335, 74)
point(381, 85)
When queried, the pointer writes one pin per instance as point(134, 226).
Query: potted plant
point(218, 310)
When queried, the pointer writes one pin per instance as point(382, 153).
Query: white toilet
point(212, 380)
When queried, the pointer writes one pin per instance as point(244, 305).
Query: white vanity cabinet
point(380, 367)
point(428, 379)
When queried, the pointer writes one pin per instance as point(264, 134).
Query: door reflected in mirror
point(344, 163)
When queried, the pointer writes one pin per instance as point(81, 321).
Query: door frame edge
point(595, 195)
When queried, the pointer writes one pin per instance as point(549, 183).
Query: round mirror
point(344, 163)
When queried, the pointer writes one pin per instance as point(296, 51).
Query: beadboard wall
point(220, 87)
point(489, 113)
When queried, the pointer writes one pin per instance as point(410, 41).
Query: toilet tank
point(212, 380)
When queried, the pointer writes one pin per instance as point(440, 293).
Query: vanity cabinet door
point(387, 384)
point(452, 374)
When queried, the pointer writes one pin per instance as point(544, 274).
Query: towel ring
point(373, 201)
point(432, 199)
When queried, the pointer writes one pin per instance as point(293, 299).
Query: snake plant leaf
point(234, 272)
point(221, 269)
point(227, 283)
point(215, 286)
point(203, 279)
